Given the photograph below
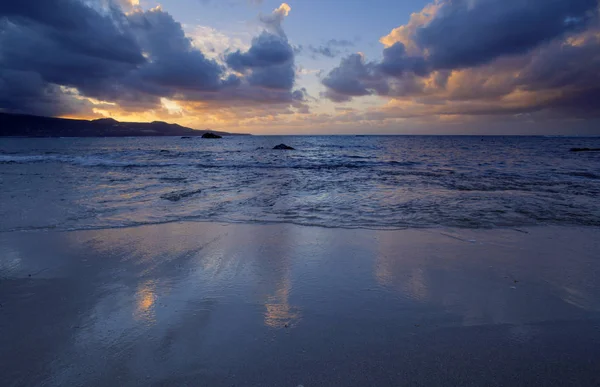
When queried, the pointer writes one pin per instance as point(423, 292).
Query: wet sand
point(208, 304)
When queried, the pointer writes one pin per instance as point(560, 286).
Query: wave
point(588, 175)
point(173, 179)
point(102, 161)
point(86, 161)
point(176, 196)
point(331, 165)
point(14, 159)
point(323, 223)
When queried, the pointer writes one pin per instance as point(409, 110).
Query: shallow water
point(332, 181)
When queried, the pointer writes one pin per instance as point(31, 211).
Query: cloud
point(72, 27)
point(214, 43)
point(58, 55)
point(273, 77)
point(64, 43)
point(273, 21)
point(266, 50)
point(129, 5)
point(331, 48)
point(468, 33)
point(172, 61)
point(26, 92)
point(270, 60)
point(353, 78)
point(405, 33)
point(396, 62)
point(483, 57)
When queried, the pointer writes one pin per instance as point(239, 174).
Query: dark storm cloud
point(354, 78)
point(74, 27)
point(172, 60)
point(26, 92)
point(468, 33)
point(481, 35)
point(273, 77)
point(266, 50)
point(570, 69)
point(269, 62)
point(61, 42)
point(564, 66)
point(396, 62)
point(133, 59)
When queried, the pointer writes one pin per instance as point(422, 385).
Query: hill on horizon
point(25, 125)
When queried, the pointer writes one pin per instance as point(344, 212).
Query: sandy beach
point(211, 304)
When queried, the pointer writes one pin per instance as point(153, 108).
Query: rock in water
point(210, 135)
point(185, 137)
point(283, 147)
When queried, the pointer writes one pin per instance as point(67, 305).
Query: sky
point(308, 66)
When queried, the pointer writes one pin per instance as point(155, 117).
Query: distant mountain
point(21, 125)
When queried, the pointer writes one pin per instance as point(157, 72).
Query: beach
point(225, 304)
point(251, 193)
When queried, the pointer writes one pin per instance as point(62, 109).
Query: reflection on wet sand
point(279, 313)
point(145, 300)
point(487, 280)
point(208, 304)
point(394, 268)
point(272, 263)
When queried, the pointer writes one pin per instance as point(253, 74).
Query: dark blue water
point(331, 181)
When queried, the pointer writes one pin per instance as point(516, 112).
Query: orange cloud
point(405, 33)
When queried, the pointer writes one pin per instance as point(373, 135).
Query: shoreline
point(205, 303)
point(521, 228)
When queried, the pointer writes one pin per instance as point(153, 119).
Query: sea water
point(380, 182)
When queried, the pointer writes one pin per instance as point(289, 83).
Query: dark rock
point(585, 149)
point(210, 135)
point(283, 147)
point(185, 137)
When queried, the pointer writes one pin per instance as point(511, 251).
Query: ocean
point(374, 182)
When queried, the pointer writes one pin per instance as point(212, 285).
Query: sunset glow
point(268, 67)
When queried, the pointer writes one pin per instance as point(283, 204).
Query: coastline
point(203, 303)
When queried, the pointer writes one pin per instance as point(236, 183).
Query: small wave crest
point(588, 175)
point(176, 196)
point(86, 161)
point(313, 166)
